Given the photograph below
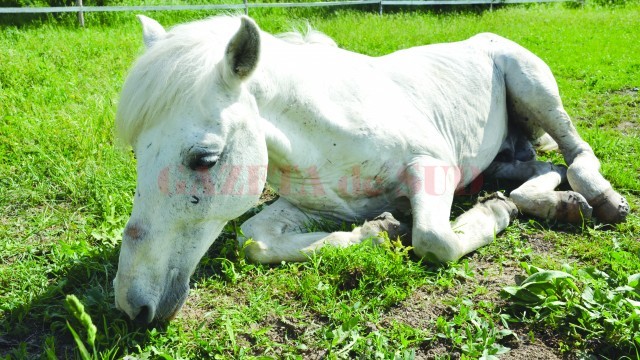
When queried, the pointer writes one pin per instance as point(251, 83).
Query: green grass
point(65, 194)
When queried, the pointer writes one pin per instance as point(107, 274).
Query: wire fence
point(80, 9)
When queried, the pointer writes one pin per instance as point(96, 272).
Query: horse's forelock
point(175, 70)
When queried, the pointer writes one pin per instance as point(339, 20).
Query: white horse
point(345, 136)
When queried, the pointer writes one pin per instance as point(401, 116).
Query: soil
point(424, 306)
point(420, 311)
point(629, 127)
point(538, 243)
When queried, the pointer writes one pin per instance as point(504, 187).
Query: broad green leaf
point(556, 303)
point(594, 273)
point(624, 289)
point(506, 332)
point(587, 294)
point(591, 315)
point(501, 349)
point(161, 354)
point(541, 288)
point(530, 269)
point(521, 294)
point(546, 276)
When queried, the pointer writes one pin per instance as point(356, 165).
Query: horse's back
point(461, 91)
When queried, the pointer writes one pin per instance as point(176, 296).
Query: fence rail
point(63, 9)
point(247, 5)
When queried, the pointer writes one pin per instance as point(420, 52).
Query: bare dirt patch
point(283, 330)
point(193, 308)
point(495, 276)
point(628, 127)
point(629, 123)
point(539, 244)
point(535, 351)
point(426, 304)
point(632, 92)
point(420, 310)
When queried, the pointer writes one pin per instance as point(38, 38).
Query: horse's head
point(201, 155)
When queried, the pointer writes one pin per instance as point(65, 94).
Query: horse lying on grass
point(345, 136)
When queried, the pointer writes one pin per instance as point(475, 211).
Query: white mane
point(179, 68)
point(307, 36)
point(172, 70)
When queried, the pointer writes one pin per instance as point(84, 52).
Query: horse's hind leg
point(537, 196)
point(533, 95)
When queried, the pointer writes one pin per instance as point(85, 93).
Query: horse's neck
point(276, 86)
point(276, 78)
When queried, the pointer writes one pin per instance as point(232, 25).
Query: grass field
point(66, 191)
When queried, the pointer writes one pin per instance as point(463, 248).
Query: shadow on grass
point(38, 328)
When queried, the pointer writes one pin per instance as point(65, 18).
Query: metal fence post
point(80, 13)
point(246, 7)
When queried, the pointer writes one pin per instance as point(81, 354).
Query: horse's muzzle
point(144, 306)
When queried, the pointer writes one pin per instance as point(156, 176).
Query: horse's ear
point(152, 31)
point(243, 51)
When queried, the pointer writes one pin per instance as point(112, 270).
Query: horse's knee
point(435, 247)
point(253, 245)
point(257, 251)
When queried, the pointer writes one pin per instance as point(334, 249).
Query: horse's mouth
point(170, 313)
point(172, 301)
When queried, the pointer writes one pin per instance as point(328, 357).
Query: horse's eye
point(202, 159)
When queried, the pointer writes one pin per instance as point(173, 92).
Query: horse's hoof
point(610, 207)
point(498, 202)
point(572, 207)
point(385, 222)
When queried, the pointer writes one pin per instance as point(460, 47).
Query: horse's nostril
point(145, 316)
point(134, 231)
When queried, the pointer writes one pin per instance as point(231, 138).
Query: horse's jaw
point(152, 282)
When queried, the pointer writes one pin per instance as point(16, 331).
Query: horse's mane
point(175, 69)
point(307, 36)
point(180, 68)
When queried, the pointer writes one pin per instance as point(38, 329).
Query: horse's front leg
point(280, 233)
point(434, 237)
